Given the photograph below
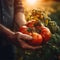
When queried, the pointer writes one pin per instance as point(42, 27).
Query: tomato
point(46, 34)
point(23, 29)
point(42, 35)
point(37, 39)
point(30, 23)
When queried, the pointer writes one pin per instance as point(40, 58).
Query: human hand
point(22, 36)
point(21, 41)
point(26, 46)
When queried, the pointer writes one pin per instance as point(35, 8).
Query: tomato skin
point(30, 23)
point(23, 29)
point(37, 39)
point(46, 34)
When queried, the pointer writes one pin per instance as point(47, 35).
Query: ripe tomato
point(46, 34)
point(23, 29)
point(30, 23)
point(37, 39)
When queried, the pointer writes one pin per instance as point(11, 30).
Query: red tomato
point(46, 34)
point(30, 23)
point(37, 39)
point(23, 29)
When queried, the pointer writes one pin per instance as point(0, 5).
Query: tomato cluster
point(39, 32)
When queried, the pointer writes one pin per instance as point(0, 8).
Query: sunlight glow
point(31, 2)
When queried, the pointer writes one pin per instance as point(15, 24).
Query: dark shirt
point(7, 49)
point(7, 12)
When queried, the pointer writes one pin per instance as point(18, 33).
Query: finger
point(34, 48)
point(37, 47)
point(24, 45)
point(26, 37)
point(20, 35)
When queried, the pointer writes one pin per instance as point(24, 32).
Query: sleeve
point(18, 7)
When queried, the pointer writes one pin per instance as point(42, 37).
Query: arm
point(19, 16)
point(21, 43)
point(10, 34)
point(6, 31)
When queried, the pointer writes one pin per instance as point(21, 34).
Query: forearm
point(19, 16)
point(6, 31)
point(20, 19)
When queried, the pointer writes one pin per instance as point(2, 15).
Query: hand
point(18, 35)
point(21, 37)
point(25, 45)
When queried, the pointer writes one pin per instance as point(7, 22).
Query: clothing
point(7, 49)
point(7, 12)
